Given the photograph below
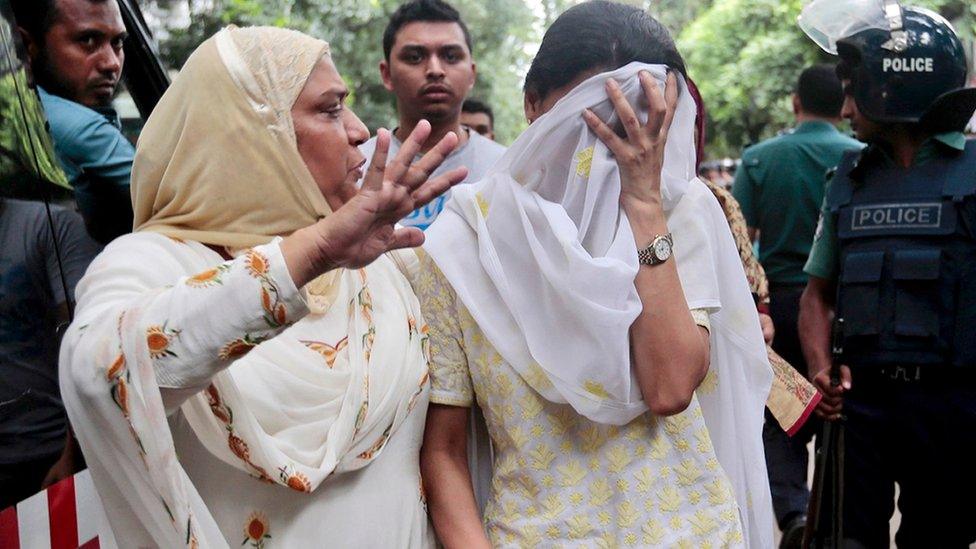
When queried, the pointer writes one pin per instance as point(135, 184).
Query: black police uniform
point(907, 297)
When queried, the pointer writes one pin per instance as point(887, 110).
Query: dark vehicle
point(28, 165)
point(33, 256)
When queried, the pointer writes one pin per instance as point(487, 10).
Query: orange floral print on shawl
point(293, 479)
point(159, 339)
point(257, 265)
point(364, 301)
point(237, 445)
point(239, 347)
point(329, 352)
point(256, 530)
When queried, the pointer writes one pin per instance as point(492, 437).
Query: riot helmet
point(904, 64)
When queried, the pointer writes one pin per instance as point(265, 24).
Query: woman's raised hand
point(363, 228)
point(641, 155)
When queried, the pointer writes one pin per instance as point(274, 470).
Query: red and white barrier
point(68, 515)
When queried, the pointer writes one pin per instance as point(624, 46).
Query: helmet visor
point(827, 21)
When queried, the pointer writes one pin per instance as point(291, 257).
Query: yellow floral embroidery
point(702, 524)
point(645, 479)
point(482, 204)
point(542, 457)
point(600, 493)
point(572, 473)
point(653, 532)
point(531, 406)
point(718, 492)
point(669, 499)
point(567, 474)
point(710, 383)
point(627, 515)
point(687, 472)
point(619, 458)
point(579, 527)
point(584, 161)
point(596, 389)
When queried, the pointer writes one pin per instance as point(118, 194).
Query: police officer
point(895, 257)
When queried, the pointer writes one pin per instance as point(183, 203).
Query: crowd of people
point(264, 321)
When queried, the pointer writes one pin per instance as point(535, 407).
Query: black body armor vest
point(907, 284)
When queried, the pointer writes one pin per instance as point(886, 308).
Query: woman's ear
point(532, 105)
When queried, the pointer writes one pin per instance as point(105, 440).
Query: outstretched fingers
point(436, 186)
point(411, 146)
point(421, 170)
point(406, 237)
point(377, 165)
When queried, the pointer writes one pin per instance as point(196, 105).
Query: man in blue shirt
point(76, 57)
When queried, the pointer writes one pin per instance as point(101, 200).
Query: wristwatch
point(657, 252)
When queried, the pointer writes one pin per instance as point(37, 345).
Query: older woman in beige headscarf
point(249, 342)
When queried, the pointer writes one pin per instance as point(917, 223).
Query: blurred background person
point(477, 115)
point(780, 187)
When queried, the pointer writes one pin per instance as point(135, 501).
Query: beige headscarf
point(217, 161)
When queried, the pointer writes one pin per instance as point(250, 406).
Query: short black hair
point(421, 10)
point(474, 105)
point(820, 91)
point(599, 35)
point(35, 16)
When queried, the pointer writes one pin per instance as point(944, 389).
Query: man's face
point(864, 129)
point(430, 70)
point(479, 122)
point(81, 55)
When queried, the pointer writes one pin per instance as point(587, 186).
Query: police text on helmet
point(911, 64)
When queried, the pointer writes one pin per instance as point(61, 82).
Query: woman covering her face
point(249, 340)
point(624, 399)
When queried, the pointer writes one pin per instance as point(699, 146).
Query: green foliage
point(745, 56)
point(24, 140)
point(501, 30)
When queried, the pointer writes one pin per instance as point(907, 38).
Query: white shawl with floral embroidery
point(163, 325)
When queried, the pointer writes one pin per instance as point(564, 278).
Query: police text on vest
point(896, 216)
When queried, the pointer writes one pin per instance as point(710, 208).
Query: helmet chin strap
point(899, 38)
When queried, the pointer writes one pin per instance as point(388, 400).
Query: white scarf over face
point(543, 257)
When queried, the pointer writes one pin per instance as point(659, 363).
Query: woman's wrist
point(306, 255)
point(646, 218)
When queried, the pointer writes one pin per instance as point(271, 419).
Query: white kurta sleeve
point(193, 322)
